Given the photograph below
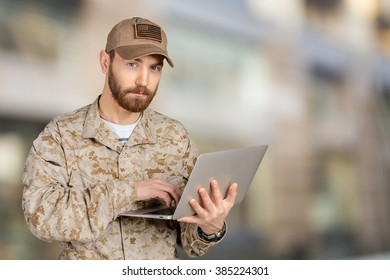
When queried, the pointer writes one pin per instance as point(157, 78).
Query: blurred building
point(310, 78)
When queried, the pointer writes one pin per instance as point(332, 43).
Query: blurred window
point(327, 92)
point(31, 27)
point(323, 7)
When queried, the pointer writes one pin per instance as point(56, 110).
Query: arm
point(63, 205)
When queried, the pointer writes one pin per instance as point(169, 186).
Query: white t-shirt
point(122, 131)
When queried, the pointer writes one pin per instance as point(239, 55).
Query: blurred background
point(310, 78)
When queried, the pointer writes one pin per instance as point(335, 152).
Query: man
point(116, 155)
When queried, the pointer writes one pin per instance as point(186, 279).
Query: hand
point(157, 188)
point(210, 218)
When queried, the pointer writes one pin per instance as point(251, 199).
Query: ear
point(104, 61)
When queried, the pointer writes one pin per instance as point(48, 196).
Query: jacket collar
point(94, 127)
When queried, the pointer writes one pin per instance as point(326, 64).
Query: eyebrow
point(160, 63)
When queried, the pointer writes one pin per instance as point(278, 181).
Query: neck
point(111, 111)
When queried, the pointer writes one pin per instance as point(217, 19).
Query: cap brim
point(136, 51)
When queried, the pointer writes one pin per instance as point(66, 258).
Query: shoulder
point(72, 121)
point(172, 136)
point(75, 117)
point(165, 124)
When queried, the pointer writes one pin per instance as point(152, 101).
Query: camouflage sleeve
point(60, 205)
point(189, 240)
point(191, 243)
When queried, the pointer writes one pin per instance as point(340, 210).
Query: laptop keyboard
point(164, 211)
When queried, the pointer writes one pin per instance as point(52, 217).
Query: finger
point(174, 194)
point(206, 200)
point(216, 194)
point(232, 194)
point(174, 191)
point(191, 219)
point(199, 210)
point(165, 197)
point(177, 196)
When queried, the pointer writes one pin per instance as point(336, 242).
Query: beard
point(124, 97)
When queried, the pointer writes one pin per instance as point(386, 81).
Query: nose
point(143, 77)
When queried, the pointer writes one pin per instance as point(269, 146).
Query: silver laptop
point(227, 167)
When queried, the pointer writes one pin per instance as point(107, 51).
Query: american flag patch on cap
point(148, 31)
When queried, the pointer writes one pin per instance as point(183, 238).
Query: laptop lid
point(227, 167)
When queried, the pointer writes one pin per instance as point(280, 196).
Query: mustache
point(139, 89)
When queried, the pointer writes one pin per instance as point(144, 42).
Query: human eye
point(156, 68)
point(132, 64)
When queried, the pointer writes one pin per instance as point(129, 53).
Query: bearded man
point(116, 155)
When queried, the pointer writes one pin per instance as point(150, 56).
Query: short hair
point(112, 54)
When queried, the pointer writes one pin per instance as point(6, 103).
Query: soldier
point(115, 155)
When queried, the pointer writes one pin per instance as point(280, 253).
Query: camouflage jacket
point(78, 179)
